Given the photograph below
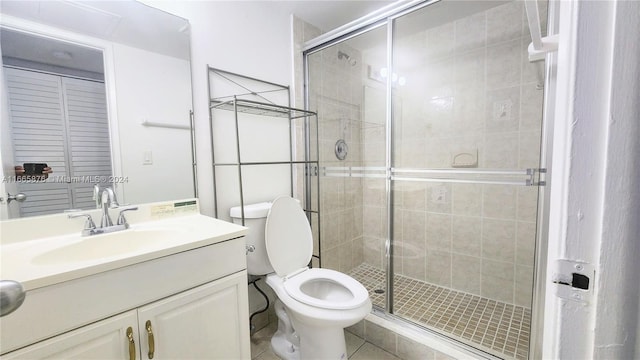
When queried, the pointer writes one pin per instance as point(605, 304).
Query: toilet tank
point(255, 218)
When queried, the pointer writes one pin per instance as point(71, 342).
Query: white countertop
point(23, 260)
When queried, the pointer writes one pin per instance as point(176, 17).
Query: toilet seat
point(346, 292)
point(289, 245)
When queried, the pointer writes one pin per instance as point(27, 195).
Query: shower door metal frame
point(530, 177)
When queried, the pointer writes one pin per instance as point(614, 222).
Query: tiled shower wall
point(470, 237)
point(473, 90)
point(337, 97)
point(338, 101)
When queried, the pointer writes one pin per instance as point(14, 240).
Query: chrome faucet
point(105, 198)
point(108, 201)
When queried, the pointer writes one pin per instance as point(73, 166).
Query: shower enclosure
point(430, 125)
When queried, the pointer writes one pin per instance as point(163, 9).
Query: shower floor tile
point(493, 326)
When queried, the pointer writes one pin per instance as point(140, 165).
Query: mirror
point(100, 91)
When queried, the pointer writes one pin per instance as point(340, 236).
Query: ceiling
point(127, 22)
point(329, 14)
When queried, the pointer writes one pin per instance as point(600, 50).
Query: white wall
point(145, 84)
point(251, 38)
point(595, 195)
point(247, 37)
point(617, 329)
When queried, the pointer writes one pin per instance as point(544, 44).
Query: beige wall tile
point(466, 273)
point(331, 258)
point(467, 199)
point(413, 196)
point(525, 243)
point(529, 156)
point(414, 266)
point(499, 201)
point(330, 230)
point(373, 221)
point(466, 235)
point(501, 151)
point(372, 250)
point(497, 280)
point(504, 22)
point(504, 64)
point(357, 329)
point(374, 192)
point(438, 232)
point(439, 267)
point(524, 285)
point(411, 350)
point(414, 229)
point(345, 257)
point(498, 240)
point(440, 41)
point(531, 107)
point(527, 203)
point(357, 247)
point(471, 32)
point(380, 336)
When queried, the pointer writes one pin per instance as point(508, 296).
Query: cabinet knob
point(132, 344)
point(152, 345)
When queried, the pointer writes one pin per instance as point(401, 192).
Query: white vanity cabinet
point(195, 302)
point(201, 323)
point(102, 340)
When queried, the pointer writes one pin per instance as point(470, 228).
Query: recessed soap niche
point(464, 158)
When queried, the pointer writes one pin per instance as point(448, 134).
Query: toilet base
point(322, 343)
point(283, 348)
point(285, 342)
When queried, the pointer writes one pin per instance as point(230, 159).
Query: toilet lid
point(288, 237)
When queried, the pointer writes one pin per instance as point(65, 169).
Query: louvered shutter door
point(62, 122)
point(88, 137)
point(38, 131)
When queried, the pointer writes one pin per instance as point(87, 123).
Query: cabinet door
point(207, 322)
point(106, 339)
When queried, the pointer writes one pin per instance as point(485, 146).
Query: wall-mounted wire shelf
point(243, 95)
point(260, 108)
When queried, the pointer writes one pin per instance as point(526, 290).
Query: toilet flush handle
point(250, 248)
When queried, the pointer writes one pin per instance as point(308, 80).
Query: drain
point(378, 291)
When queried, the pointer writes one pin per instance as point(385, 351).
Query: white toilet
point(318, 303)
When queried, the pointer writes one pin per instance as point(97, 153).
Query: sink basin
point(47, 250)
point(94, 247)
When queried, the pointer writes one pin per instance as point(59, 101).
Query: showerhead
point(345, 56)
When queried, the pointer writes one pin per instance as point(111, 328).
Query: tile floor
point(495, 327)
point(357, 348)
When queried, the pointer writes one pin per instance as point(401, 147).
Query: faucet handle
point(89, 224)
point(121, 219)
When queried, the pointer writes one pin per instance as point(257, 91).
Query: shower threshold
point(496, 327)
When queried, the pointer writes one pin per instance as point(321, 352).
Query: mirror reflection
point(106, 105)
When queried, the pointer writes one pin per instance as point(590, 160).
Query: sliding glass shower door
point(466, 149)
point(352, 139)
point(430, 125)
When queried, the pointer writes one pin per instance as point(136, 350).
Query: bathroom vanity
point(171, 286)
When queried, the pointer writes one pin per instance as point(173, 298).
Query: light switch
point(147, 157)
